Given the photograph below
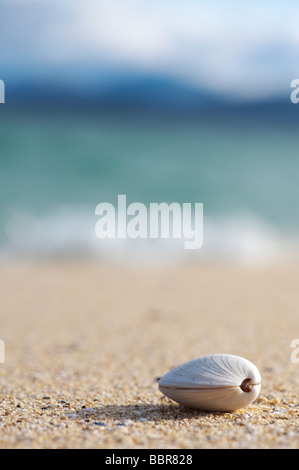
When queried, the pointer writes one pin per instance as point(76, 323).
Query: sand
point(85, 344)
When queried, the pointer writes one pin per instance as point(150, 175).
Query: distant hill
point(150, 93)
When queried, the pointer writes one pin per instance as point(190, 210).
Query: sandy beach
point(85, 344)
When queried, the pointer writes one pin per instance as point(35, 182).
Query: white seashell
point(218, 382)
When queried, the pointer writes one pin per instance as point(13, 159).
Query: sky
point(241, 50)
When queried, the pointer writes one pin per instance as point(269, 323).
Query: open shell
point(218, 382)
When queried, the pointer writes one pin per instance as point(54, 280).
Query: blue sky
point(242, 50)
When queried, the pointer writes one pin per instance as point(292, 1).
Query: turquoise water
point(55, 169)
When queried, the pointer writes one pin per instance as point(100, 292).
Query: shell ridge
point(227, 365)
point(216, 373)
point(228, 368)
point(235, 363)
point(205, 373)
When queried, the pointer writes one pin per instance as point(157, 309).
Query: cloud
point(246, 51)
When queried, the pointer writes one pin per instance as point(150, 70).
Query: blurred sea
point(56, 165)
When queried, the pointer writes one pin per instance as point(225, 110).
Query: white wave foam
point(247, 240)
point(241, 239)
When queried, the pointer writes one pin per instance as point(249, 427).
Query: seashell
point(218, 382)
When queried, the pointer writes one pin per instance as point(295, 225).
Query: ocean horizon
point(57, 165)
